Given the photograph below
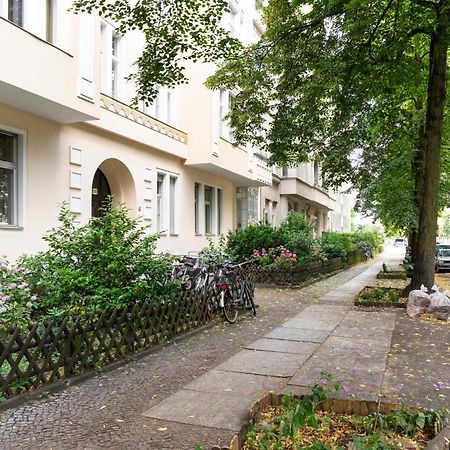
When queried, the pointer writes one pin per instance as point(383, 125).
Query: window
point(234, 20)
point(162, 107)
point(226, 103)
point(208, 201)
point(110, 61)
point(208, 209)
point(219, 210)
point(8, 179)
point(247, 205)
point(50, 21)
point(196, 207)
point(284, 172)
point(173, 192)
point(159, 203)
point(166, 203)
point(15, 12)
point(115, 65)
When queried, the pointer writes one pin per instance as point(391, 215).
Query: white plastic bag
point(418, 300)
point(439, 306)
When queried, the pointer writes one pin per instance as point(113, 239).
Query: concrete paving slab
point(379, 325)
point(316, 320)
point(297, 334)
point(264, 363)
point(326, 309)
point(218, 410)
point(283, 346)
point(239, 383)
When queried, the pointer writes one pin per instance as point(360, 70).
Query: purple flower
point(399, 386)
point(323, 381)
point(439, 385)
point(5, 298)
point(346, 389)
point(354, 369)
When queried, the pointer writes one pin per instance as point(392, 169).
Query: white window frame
point(20, 177)
point(111, 86)
point(217, 202)
point(6, 12)
point(163, 106)
point(167, 203)
point(224, 108)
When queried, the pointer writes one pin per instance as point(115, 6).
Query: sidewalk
point(327, 335)
point(199, 390)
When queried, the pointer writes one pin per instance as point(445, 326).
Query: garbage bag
point(418, 301)
point(439, 306)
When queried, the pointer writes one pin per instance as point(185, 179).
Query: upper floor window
point(115, 65)
point(36, 16)
point(163, 107)
point(8, 179)
point(15, 12)
point(110, 61)
point(284, 172)
point(226, 104)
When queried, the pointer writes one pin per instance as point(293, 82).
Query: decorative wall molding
point(142, 119)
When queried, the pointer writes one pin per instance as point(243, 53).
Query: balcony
point(118, 118)
point(40, 78)
point(230, 162)
point(300, 189)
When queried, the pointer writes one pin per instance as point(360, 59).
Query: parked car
point(440, 247)
point(443, 260)
point(399, 242)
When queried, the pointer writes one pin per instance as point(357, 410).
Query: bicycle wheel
point(229, 309)
point(249, 298)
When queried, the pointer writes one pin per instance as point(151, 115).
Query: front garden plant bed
point(381, 297)
point(392, 275)
point(318, 422)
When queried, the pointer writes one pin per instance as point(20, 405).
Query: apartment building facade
point(68, 134)
point(297, 189)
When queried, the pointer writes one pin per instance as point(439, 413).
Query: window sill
point(210, 234)
point(173, 234)
point(11, 227)
point(199, 234)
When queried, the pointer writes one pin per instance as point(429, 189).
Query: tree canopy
point(175, 31)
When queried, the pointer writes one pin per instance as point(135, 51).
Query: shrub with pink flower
point(279, 256)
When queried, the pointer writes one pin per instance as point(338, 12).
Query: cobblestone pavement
point(105, 412)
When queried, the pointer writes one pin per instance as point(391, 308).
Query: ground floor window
point(247, 205)
point(208, 209)
point(167, 203)
point(8, 179)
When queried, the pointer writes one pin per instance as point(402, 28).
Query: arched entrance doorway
point(100, 192)
point(112, 177)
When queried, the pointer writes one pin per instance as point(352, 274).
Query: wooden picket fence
point(53, 351)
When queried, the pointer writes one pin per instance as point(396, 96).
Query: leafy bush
point(368, 237)
point(298, 236)
point(335, 245)
point(278, 257)
point(109, 262)
point(242, 242)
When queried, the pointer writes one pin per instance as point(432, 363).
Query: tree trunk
point(417, 168)
point(437, 89)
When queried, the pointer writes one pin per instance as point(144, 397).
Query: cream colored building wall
point(54, 96)
point(48, 171)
